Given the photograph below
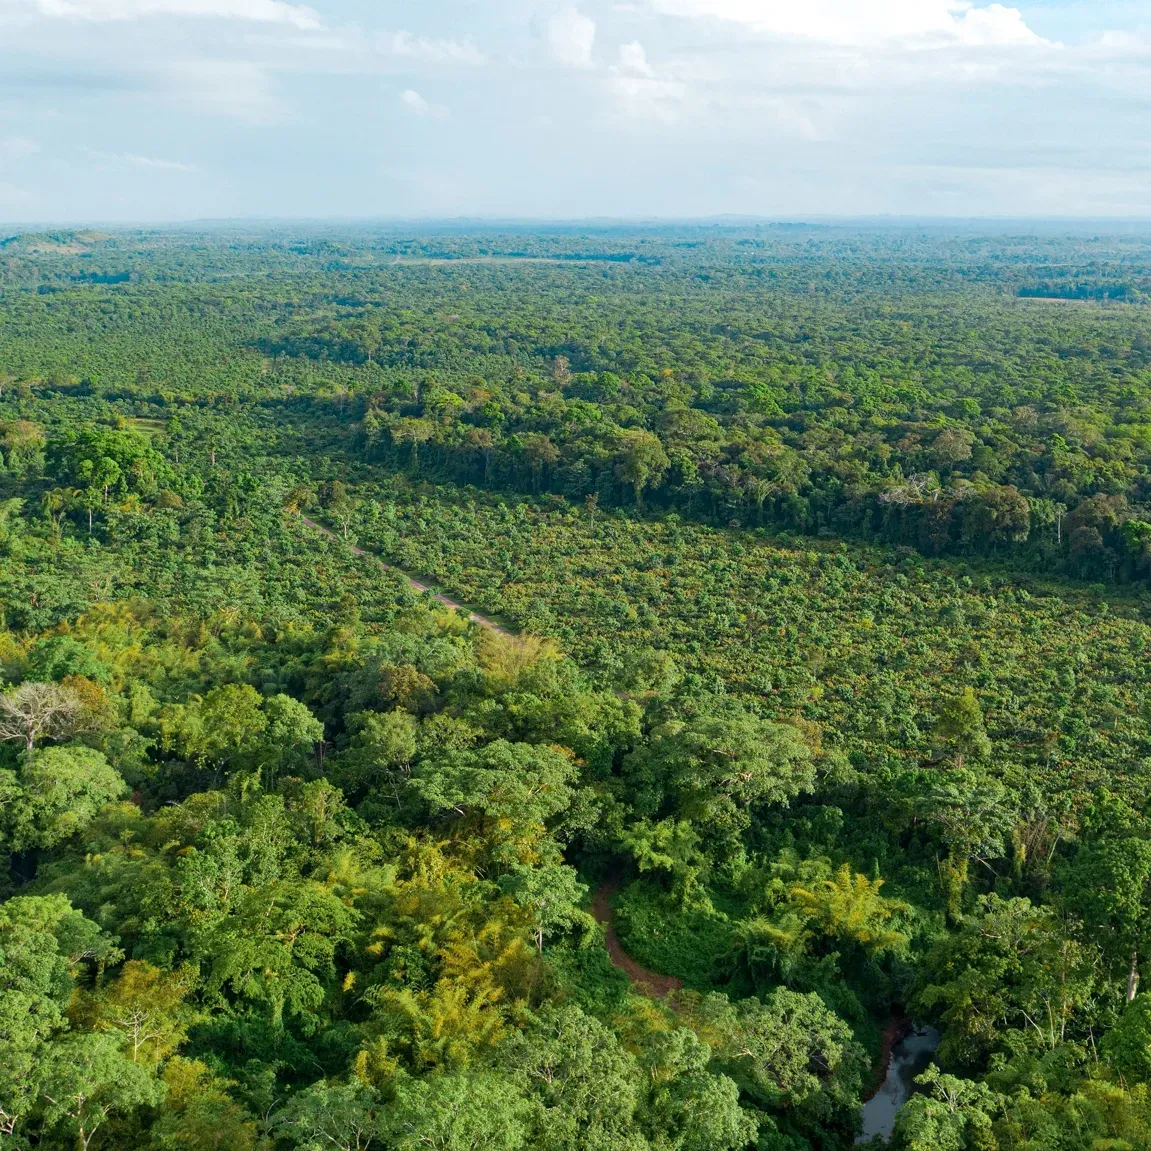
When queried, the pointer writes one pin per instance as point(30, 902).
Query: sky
point(167, 110)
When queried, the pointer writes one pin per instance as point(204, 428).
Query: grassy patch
point(661, 936)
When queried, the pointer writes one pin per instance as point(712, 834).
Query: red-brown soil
point(649, 983)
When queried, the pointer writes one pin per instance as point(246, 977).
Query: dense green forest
point(822, 558)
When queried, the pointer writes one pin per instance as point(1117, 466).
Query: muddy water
point(909, 1058)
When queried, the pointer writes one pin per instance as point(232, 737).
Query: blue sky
point(151, 110)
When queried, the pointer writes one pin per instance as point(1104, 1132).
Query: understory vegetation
point(823, 557)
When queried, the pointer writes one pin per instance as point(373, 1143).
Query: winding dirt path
point(650, 983)
point(413, 583)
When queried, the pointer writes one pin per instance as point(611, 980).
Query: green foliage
point(869, 645)
point(60, 656)
point(952, 1115)
point(960, 728)
point(86, 1080)
point(458, 1112)
point(1108, 883)
point(341, 1115)
point(668, 933)
point(55, 793)
point(1012, 965)
point(571, 1063)
point(144, 1006)
point(790, 1052)
point(551, 893)
point(710, 769)
point(198, 1113)
point(848, 908)
point(1127, 1047)
point(41, 940)
point(793, 525)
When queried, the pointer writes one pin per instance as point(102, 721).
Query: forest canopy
point(810, 687)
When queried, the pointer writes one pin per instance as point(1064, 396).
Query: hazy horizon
point(466, 223)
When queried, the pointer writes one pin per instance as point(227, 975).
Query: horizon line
point(14, 228)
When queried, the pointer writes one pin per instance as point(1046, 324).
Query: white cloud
point(641, 98)
point(860, 22)
point(799, 106)
point(160, 165)
point(639, 93)
point(238, 88)
point(131, 160)
point(633, 58)
point(418, 106)
point(1136, 43)
point(17, 147)
point(571, 36)
point(436, 51)
point(793, 119)
point(270, 11)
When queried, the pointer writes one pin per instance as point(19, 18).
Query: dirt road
point(651, 983)
point(414, 583)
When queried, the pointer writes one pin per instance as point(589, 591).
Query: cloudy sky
point(149, 110)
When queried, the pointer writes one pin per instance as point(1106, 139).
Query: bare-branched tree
point(35, 711)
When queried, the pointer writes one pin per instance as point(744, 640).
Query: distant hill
point(54, 243)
